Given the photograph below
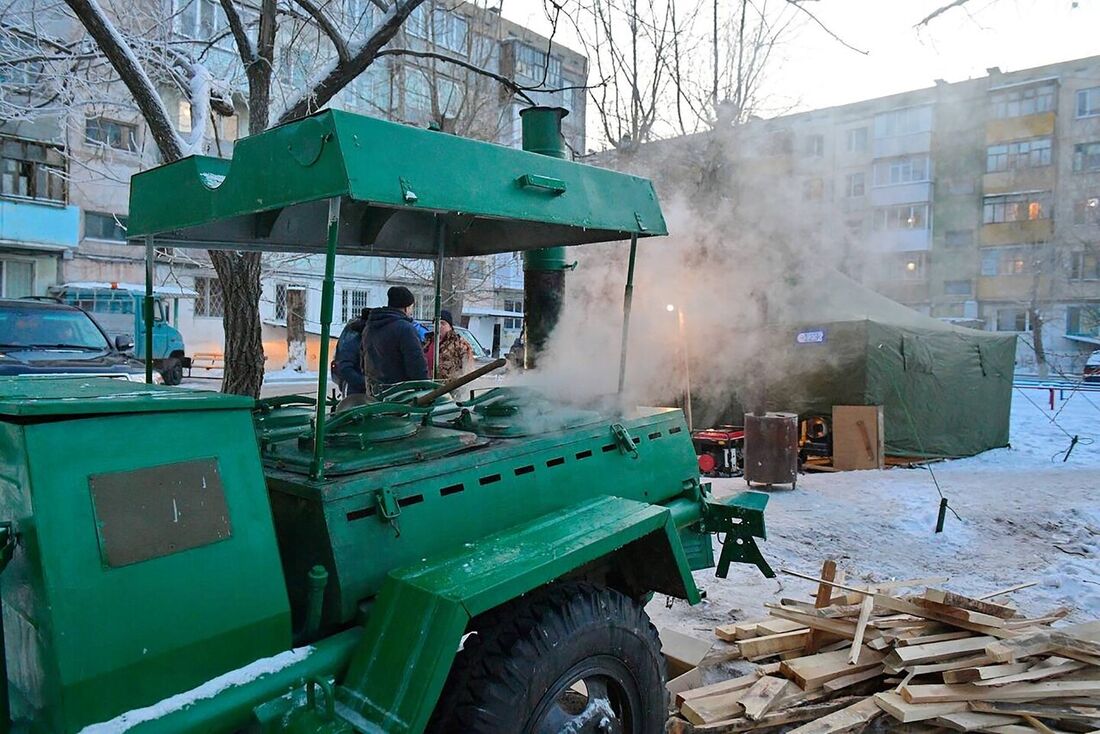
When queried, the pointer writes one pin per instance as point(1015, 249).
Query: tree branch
point(236, 26)
point(328, 27)
point(940, 11)
point(798, 4)
point(132, 74)
point(340, 75)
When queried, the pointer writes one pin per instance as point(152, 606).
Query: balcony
point(1008, 233)
point(1027, 179)
point(39, 226)
point(902, 240)
point(896, 145)
point(1011, 287)
point(907, 193)
point(1018, 128)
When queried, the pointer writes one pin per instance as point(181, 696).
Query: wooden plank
point(1009, 590)
point(685, 681)
point(937, 693)
point(950, 612)
point(813, 671)
point(984, 672)
point(941, 637)
point(936, 651)
point(905, 607)
point(715, 689)
point(1083, 638)
point(865, 609)
point(1022, 646)
point(682, 652)
point(906, 712)
point(847, 719)
point(858, 437)
point(762, 695)
point(1088, 715)
point(1042, 673)
point(777, 718)
point(761, 647)
point(709, 709)
point(822, 599)
point(837, 684)
point(957, 664)
point(950, 598)
point(840, 627)
point(973, 721)
point(776, 626)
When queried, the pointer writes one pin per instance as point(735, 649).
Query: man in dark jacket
point(347, 365)
point(391, 346)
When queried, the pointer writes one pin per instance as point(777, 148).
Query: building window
point(1020, 154)
point(907, 121)
point(855, 184)
point(1016, 207)
point(957, 287)
point(417, 23)
point(903, 170)
point(1021, 101)
point(32, 170)
point(815, 146)
point(424, 306)
point(16, 278)
point(536, 66)
point(1088, 102)
point(209, 302)
point(1086, 157)
point(1083, 320)
point(813, 189)
point(1012, 319)
point(449, 30)
point(959, 238)
point(906, 216)
point(100, 226)
point(912, 266)
point(1005, 261)
point(513, 323)
point(111, 133)
point(857, 140)
point(1087, 211)
point(1084, 266)
point(352, 303)
point(418, 93)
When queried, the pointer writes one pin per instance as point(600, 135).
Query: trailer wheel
point(171, 369)
point(573, 657)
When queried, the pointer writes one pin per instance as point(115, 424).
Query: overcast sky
point(816, 71)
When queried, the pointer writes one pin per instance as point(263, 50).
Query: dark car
point(41, 337)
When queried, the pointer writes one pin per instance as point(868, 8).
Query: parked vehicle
point(41, 337)
point(1092, 367)
point(481, 354)
point(117, 308)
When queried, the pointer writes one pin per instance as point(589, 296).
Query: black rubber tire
point(524, 654)
point(171, 369)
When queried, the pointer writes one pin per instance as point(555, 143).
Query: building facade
point(976, 201)
point(64, 197)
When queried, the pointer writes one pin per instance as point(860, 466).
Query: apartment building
point(976, 201)
point(64, 195)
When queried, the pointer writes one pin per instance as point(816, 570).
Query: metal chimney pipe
point(543, 269)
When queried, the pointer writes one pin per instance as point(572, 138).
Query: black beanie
point(399, 297)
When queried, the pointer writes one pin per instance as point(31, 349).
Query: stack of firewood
point(857, 653)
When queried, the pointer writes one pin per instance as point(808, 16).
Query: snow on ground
point(1026, 516)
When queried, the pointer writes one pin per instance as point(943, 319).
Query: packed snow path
point(1026, 516)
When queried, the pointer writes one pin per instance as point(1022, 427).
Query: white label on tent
point(811, 337)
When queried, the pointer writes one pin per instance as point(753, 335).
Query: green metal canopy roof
point(30, 397)
point(394, 180)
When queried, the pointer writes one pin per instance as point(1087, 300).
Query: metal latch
point(549, 184)
point(388, 508)
point(624, 440)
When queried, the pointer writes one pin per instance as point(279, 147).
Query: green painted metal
point(394, 180)
point(628, 299)
point(92, 635)
point(328, 289)
point(422, 611)
point(438, 482)
point(741, 519)
point(148, 310)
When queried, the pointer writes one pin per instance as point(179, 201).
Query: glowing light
point(911, 266)
point(670, 308)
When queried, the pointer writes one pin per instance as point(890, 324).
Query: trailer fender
point(416, 625)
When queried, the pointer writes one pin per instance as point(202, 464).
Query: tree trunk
point(452, 288)
point(1036, 320)
point(296, 329)
point(239, 279)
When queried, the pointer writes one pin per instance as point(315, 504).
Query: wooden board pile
point(931, 661)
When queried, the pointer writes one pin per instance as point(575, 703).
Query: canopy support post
point(148, 315)
point(441, 242)
point(328, 290)
point(628, 296)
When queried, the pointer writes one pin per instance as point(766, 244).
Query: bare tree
point(269, 64)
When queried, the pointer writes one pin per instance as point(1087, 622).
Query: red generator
point(719, 450)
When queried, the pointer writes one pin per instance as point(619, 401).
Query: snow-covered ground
point(1026, 516)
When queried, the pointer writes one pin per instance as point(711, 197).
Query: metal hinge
point(624, 440)
point(388, 508)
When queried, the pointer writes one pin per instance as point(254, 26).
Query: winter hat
point(445, 315)
point(399, 297)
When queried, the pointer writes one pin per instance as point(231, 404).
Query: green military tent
point(945, 389)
